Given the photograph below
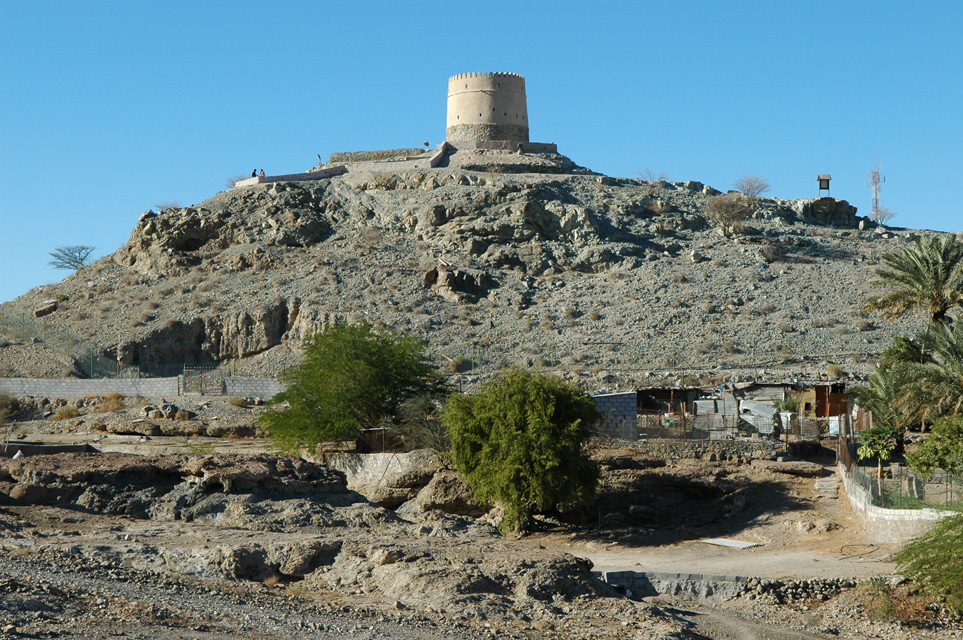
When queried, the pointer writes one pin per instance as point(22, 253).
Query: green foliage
point(925, 275)
point(790, 404)
point(942, 448)
point(934, 561)
point(351, 378)
point(878, 442)
point(935, 385)
point(521, 440)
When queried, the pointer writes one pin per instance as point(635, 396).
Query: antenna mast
point(874, 182)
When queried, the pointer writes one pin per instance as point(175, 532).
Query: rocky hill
point(494, 259)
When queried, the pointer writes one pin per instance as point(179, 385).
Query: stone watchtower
point(487, 106)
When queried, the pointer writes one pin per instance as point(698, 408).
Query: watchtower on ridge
point(487, 106)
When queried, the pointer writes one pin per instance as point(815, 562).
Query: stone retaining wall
point(703, 586)
point(708, 449)
point(340, 157)
point(888, 526)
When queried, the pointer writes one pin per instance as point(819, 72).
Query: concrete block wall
point(621, 415)
point(888, 526)
point(265, 388)
point(78, 388)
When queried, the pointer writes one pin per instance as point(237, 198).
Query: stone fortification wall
point(144, 387)
point(487, 106)
point(378, 155)
point(506, 145)
point(888, 526)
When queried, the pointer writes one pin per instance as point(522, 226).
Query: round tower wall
point(487, 106)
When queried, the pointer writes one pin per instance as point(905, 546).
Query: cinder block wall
point(888, 526)
point(252, 387)
point(621, 415)
point(77, 388)
point(145, 387)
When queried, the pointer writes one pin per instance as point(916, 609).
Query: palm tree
point(925, 275)
point(934, 387)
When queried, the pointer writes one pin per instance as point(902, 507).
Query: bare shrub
point(771, 252)
point(768, 308)
point(751, 187)
point(864, 325)
point(726, 213)
point(729, 347)
point(882, 215)
point(703, 348)
point(835, 371)
point(182, 415)
point(594, 315)
point(784, 327)
point(165, 205)
point(112, 402)
point(236, 402)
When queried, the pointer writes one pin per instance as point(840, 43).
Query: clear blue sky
point(107, 108)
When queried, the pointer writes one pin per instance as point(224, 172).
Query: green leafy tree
point(879, 443)
point(884, 390)
point(942, 448)
point(927, 274)
point(934, 562)
point(351, 377)
point(520, 441)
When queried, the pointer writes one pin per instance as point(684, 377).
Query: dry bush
point(182, 415)
point(784, 327)
point(768, 308)
point(771, 252)
point(679, 278)
point(570, 312)
point(727, 213)
point(66, 413)
point(594, 314)
point(236, 402)
point(729, 347)
point(864, 325)
point(835, 371)
point(113, 401)
point(751, 187)
point(703, 348)
point(460, 364)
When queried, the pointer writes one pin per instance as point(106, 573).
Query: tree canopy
point(942, 448)
point(927, 274)
point(70, 257)
point(521, 440)
point(351, 377)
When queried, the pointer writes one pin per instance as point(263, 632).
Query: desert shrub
point(594, 315)
point(182, 415)
point(236, 402)
point(751, 187)
point(703, 348)
point(729, 347)
point(784, 327)
point(66, 413)
point(768, 308)
point(521, 441)
point(771, 252)
point(9, 406)
point(460, 364)
point(726, 213)
point(680, 278)
point(113, 401)
point(934, 562)
point(864, 325)
point(835, 371)
point(350, 378)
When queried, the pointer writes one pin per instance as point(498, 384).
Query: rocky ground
point(493, 259)
point(202, 545)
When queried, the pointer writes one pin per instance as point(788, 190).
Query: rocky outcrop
point(829, 211)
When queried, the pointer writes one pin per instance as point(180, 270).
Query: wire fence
point(899, 487)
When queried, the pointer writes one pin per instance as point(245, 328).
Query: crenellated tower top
point(487, 106)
